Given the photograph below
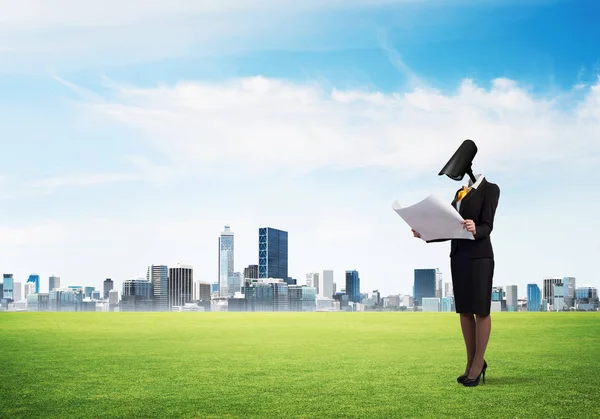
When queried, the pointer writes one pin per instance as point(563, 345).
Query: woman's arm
point(488, 212)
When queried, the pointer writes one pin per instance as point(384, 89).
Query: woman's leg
point(468, 326)
point(483, 330)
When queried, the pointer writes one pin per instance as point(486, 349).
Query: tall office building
point(570, 289)
point(353, 286)
point(201, 291)
point(181, 285)
point(29, 289)
point(272, 253)
point(226, 264)
point(512, 302)
point(108, 286)
point(53, 283)
point(449, 292)
point(548, 288)
point(251, 272)
point(424, 285)
point(8, 287)
point(158, 276)
point(558, 303)
point(439, 289)
point(113, 299)
point(35, 279)
point(312, 280)
point(18, 291)
point(234, 283)
point(137, 295)
point(326, 284)
point(534, 298)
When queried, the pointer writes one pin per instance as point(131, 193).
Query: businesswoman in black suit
point(472, 261)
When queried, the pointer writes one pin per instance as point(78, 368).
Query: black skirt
point(472, 283)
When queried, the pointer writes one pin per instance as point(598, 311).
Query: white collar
point(479, 179)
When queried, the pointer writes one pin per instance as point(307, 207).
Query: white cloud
point(262, 125)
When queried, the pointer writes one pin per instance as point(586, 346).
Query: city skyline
point(311, 117)
point(437, 277)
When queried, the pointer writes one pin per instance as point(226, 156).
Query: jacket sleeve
point(488, 212)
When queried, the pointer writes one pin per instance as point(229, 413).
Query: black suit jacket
point(480, 206)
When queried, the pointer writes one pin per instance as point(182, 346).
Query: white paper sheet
point(434, 219)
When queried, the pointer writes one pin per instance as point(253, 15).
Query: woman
point(472, 261)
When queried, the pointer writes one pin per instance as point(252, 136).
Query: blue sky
point(130, 136)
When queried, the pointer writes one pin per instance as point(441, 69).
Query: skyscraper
point(570, 288)
point(108, 286)
point(548, 288)
point(512, 302)
point(449, 291)
point(326, 284)
point(272, 253)
point(181, 285)
point(534, 298)
point(18, 291)
point(35, 279)
point(353, 286)
point(53, 282)
point(312, 280)
point(424, 286)
point(8, 288)
point(439, 289)
point(137, 295)
point(225, 260)
point(158, 276)
point(251, 272)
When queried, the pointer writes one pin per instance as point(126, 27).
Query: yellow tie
point(461, 194)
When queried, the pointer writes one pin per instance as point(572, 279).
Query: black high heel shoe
point(463, 377)
point(475, 382)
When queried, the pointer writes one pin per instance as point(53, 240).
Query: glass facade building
point(226, 262)
point(181, 286)
point(430, 304)
point(137, 295)
point(53, 282)
point(534, 298)
point(108, 285)
point(65, 300)
point(272, 253)
point(158, 275)
point(35, 279)
point(353, 286)
point(424, 285)
point(8, 287)
point(447, 304)
point(570, 288)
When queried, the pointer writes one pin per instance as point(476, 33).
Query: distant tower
point(353, 286)
point(53, 282)
point(424, 286)
point(326, 287)
point(158, 275)
point(181, 285)
point(108, 286)
point(35, 279)
point(226, 261)
point(272, 253)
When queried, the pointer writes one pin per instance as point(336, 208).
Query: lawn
point(301, 365)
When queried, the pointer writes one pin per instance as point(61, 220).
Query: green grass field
point(302, 365)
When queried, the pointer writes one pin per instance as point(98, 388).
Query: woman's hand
point(415, 234)
point(469, 225)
